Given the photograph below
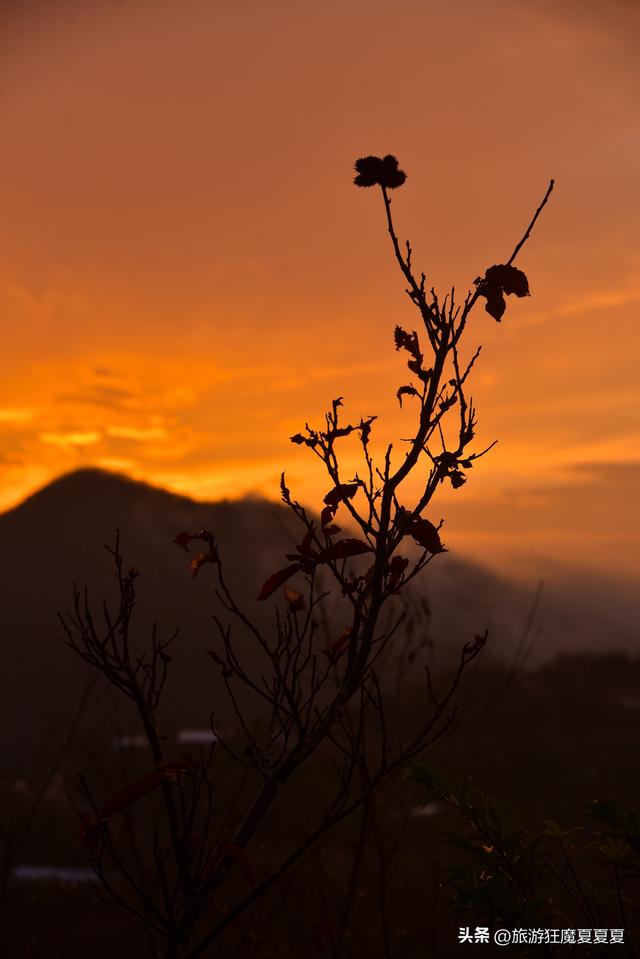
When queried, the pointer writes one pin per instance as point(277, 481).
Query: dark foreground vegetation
point(544, 743)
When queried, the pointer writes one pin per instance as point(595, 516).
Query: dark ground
point(556, 738)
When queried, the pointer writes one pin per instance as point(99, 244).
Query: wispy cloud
point(87, 438)
point(598, 300)
point(17, 415)
point(137, 433)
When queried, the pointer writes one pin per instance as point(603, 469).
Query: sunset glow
point(187, 273)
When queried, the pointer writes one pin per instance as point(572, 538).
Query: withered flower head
point(383, 171)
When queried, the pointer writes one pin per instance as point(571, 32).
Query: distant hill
point(57, 535)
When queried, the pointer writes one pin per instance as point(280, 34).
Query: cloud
point(139, 434)
point(16, 415)
point(98, 394)
point(117, 464)
point(87, 438)
point(598, 301)
point(590, 517)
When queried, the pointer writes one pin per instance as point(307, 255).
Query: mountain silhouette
point(57, 536)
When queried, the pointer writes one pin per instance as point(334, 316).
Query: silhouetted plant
point(310, 695)
point(546, 878)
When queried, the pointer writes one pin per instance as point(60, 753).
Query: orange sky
point(187, 273)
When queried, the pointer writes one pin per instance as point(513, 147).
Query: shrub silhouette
point(546, 884)
point(320, 688)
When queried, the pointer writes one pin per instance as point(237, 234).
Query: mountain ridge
point(57, 536)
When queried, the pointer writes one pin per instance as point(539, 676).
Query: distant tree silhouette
point(318, 687)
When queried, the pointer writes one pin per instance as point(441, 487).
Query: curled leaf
point(509, 279)
point(341, 493)
point(199, 560)
point(284, 490)
point(406, 391)
point(311, 440)
point(396, 568)
point(500, 279)
point(426, 535)
point(457, 478)
point(407, 341)
point(327, 515)
point(365, 429)
point(183, 540)
point(496, 304)
point(278, 579)
point(205, 535)
point(416, 367)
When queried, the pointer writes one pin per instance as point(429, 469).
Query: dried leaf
point(198, 561)
point(407, 341)
point(365, 429)
point(295, 600)
point(496, 304)
point(426, 535)
point(498, 280)
point(343, 549)
point(311, 440)
point(183, 539)
point(396, 568)
point(509, 279)
point(339, 646)
point(341, 493)
point(327, 515)
point(406, 391)
point(305, 546)
point(457, 478)
point(278, 579)
point(341, 431)
point(205, 535)
point(416, 367)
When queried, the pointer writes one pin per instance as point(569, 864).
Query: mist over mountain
point(57, 536)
